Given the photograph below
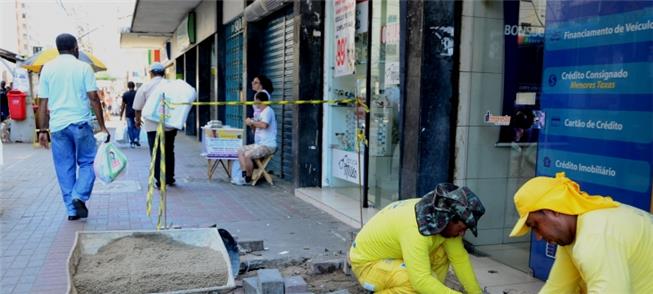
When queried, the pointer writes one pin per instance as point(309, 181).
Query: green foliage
point(104, 76)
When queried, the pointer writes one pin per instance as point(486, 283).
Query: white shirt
point(65, 82)
point(267, 136)
point(142, 94)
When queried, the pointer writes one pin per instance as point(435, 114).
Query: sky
point(96, 21)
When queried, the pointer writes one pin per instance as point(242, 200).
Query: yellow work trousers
point(389, 276)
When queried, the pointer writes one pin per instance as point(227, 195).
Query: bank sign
point(597, 94)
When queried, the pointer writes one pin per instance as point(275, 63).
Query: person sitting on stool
point(265, 135)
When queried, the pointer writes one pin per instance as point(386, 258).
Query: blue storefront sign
point(597, 96)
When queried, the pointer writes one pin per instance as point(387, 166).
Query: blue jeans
point(133, 132)
point(74, 147)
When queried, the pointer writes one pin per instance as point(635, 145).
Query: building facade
point(457, 91)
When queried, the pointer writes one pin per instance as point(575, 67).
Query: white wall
point(205, 19)
point(205, 26)
point(8, 40)
point(492, 172)
point(231, 9)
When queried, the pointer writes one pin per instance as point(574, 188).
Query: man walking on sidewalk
point(145, 92)
point(407, 247)
point(128, 109)
point(67, 89)
point(603, 246)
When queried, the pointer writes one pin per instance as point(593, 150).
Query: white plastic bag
point(177, 91)
point(121, 134)
point(236, 174)
point(109, 163)
point(142, 138)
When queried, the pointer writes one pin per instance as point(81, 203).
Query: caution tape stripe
point(162, 174)
point(280, 102)
point(159, 143)
point(150, 181)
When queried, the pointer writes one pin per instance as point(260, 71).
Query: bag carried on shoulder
point(109, 163)
point(177, 91)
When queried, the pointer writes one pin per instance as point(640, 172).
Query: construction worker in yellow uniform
point(407, 247)
point(603, 246)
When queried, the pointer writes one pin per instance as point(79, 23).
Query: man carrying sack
point(603, 246)
point(408, 246)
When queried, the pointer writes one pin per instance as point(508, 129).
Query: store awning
point(154, 21)
point(10, 56)
point(143, 40)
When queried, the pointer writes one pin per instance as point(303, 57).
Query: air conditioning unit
point(262, 8)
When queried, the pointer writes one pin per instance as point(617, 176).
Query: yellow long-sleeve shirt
point(392, 234)
point(612, 253)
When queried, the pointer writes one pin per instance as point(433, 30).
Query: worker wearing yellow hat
point(603, 246)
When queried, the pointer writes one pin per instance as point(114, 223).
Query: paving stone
point(346, 268)
point(250, 285)
point(251, 245)
point(270, 281)
point(295, 284)
point(319, 267)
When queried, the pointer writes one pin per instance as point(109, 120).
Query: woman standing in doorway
point(260, 83)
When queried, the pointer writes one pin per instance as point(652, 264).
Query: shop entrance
point(190, 73)
point(233, 33)
point(205, 49)
point(278, 67)
point(367, 176)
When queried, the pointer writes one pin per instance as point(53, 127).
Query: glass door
point(384, 154)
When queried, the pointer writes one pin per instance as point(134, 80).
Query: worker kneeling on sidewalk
point(408, 246)
point(603, 246)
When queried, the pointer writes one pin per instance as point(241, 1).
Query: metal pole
point(162, 168)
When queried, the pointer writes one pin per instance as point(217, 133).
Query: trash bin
point(16, 101)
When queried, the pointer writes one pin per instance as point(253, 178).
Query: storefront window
point(384, 154)
point(347, 78)
point(344, 167)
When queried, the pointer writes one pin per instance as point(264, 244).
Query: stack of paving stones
point(270, 281)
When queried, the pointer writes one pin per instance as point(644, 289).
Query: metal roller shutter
point(234, 72)
point(278, 66)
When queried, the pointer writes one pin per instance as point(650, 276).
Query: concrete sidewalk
point(36, 237)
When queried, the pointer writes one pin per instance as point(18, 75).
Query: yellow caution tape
point(162, 174)
point(159, 142)
point(150, 181)
point(360, 138)
point(281, 102)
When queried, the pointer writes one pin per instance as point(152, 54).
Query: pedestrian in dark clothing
point(4, 103)
point(148, 91)
point(130, 113)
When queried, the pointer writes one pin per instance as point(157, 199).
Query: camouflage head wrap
point(438, 208)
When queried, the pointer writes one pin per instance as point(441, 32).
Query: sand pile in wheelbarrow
point(146, 263)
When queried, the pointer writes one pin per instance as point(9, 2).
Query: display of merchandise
point(381, 131)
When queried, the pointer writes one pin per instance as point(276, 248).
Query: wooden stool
point(259, 170)
point(213, 165)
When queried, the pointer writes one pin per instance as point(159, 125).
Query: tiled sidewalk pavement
point(36, 237)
